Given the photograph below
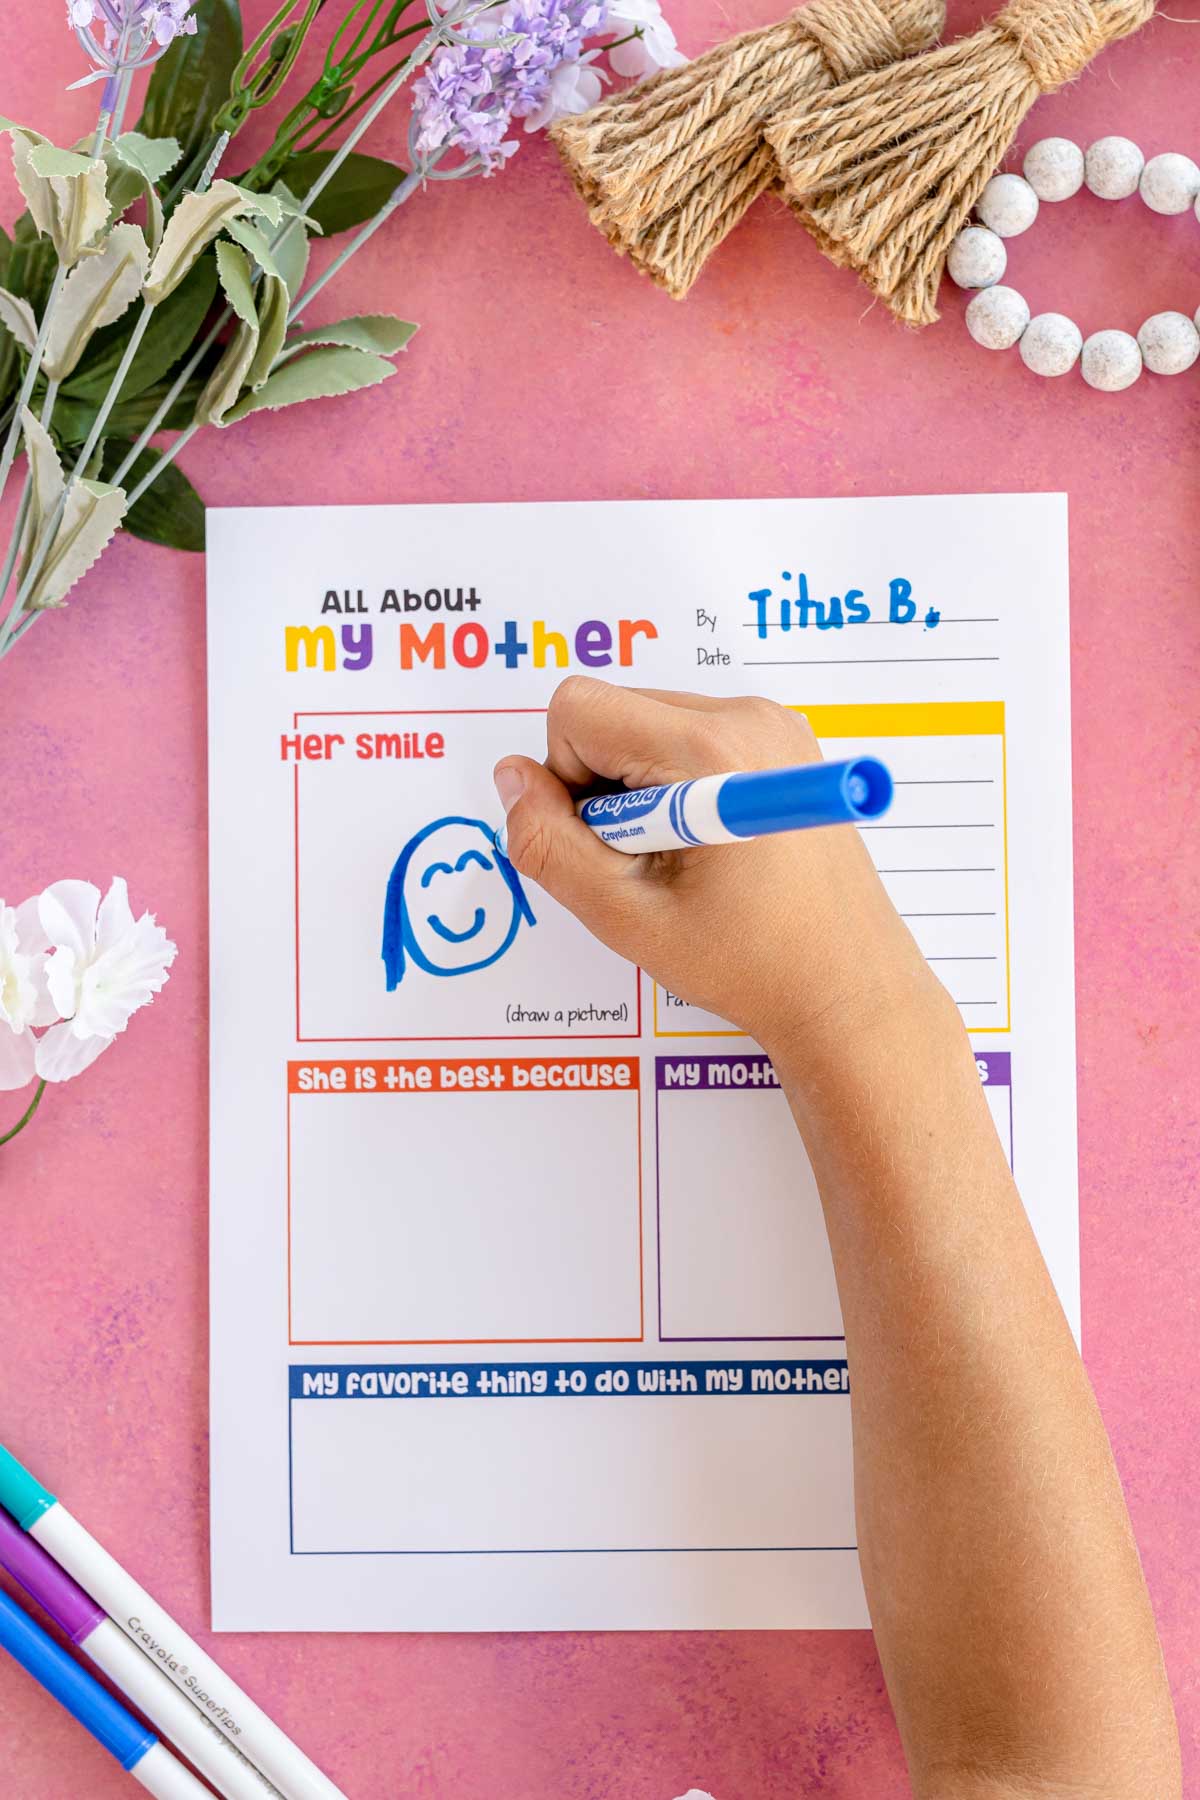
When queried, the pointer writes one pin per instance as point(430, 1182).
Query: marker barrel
point(162, 1776)
point(727, 809)
point(143, 1620)
point(218, 1759)
point(89, 1626)
point(136, 1749)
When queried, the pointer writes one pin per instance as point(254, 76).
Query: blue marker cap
point(72, 1686)
point(832, 793)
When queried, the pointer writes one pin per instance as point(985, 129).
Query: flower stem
point(163, 461)
point(212, 162)
point(8, 622)
point(172, 394)
point(118, 117)
point(23, 1121)
point(38, 556)
point(421, 54)
point(35, 359)
point(408, 186)
point(15, 636)
point(400, 194)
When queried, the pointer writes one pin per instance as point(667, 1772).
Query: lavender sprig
point(500, 71)
point(122, 36)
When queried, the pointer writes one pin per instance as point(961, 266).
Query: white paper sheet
point(522, 1311)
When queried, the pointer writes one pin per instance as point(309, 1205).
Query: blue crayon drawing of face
point(454, 904)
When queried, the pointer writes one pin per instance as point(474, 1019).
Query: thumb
point(545, 839)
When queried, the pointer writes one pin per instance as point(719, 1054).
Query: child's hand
point(777, 934)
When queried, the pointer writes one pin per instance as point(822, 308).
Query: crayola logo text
point(594, 644)
point(622, 806)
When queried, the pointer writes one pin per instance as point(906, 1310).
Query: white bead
point(1111, 361)
point(1054, 168)
point(997, 317)
point(1050, 344)
point(1113, 167)
point(1169, 183)
point(977, 258)
point(1169, 343)
point(1008, 205)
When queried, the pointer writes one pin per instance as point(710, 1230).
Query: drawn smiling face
point(454, 904)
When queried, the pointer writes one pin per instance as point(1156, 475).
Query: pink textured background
point(546, 369)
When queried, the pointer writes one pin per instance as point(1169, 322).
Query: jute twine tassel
point(885, 171)
point(667, 169)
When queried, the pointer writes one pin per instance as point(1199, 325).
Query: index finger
point(594, 728)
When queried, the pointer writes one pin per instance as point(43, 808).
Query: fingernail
point(510, 785)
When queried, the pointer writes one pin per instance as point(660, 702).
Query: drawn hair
point(398, 935)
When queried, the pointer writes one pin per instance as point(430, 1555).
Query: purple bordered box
point(742, 1251)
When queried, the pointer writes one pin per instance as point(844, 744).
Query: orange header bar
point(464, 1075)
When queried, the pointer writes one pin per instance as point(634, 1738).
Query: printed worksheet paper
point(523, 1315)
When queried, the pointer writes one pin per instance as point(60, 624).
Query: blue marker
point(137, 1750)
point(725, 809)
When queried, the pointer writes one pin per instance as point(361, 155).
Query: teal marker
point(156, 1633)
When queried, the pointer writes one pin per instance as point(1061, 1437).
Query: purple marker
point(89, 1627)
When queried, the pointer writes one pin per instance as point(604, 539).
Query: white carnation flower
point(24, 995)
point(574, 87)
point(655, 49)
point(103, 965)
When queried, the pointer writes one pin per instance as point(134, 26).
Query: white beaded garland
point(1054, 168)
point(1050, 344)
point(1170, 183)
point(1113, 167)
point(1169, 343)
point(1008, 205)
point(1111, 361)
point(977, 258)
point(997, 316)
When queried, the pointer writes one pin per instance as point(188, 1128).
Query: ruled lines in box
point(941, 849)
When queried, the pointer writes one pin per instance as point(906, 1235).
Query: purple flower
point(499, 69)
point(120, 36)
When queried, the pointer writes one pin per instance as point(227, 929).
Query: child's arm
point(1004, 1585)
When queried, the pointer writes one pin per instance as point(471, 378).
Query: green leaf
point(66, 194)
point(48, 161)
point(73, 418)
point(196, 221)
point(172, 331)
point(90, 518)
point(233, 269)
point(380, 333)
point(193, 79)
point(320, 375)
point(95, 293)
point(291, 248)
point(31, 263)
point(134, 164)
point(253, 240)
point(229, 377)
point(356, 193)
point(16, 315)
point(170, 512)
point(272, 325)
point(151, 158)
point(81, 529)
point(266, 206)
point(46, 480)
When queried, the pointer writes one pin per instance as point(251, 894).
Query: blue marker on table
point(137, 1750)
point(725, 809)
